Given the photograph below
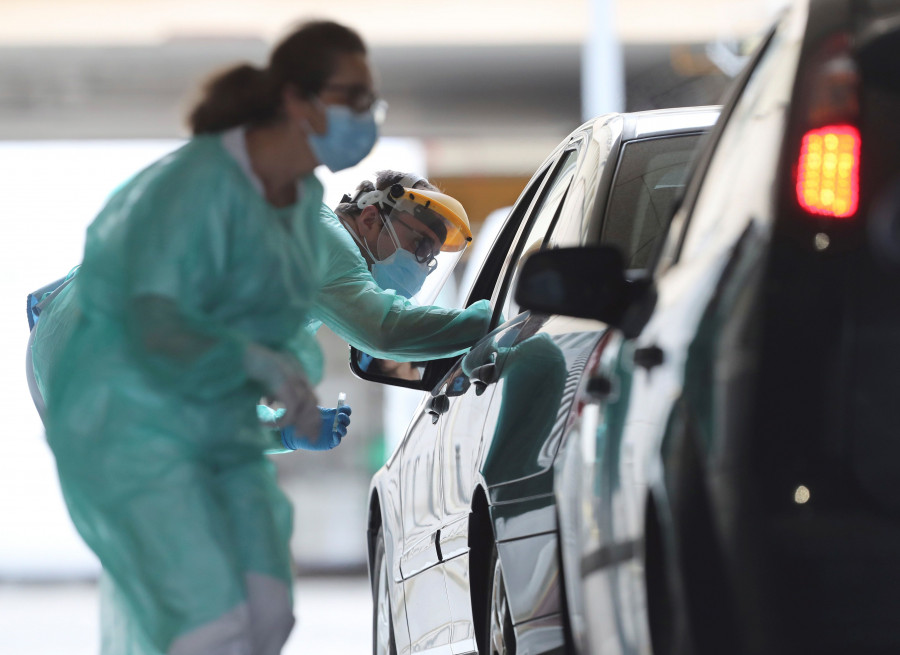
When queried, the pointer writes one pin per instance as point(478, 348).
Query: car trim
point(421, 556)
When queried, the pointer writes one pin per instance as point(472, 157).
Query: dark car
point(734, 485)
point(464, 553)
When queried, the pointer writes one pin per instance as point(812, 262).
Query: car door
point(650, 172)
point(710, 251)
point(468, 391)
point(427, 611)
point(425, 476)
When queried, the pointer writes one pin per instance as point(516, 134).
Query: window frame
point(502, 289)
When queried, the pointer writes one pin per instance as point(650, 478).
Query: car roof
point(662, 122)
point(643, 124)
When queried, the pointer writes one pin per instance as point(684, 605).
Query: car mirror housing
point(583, 282)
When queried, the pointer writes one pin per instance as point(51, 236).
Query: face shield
point(423, 236)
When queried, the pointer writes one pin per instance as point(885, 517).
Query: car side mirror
point(585, 282)
point(410, 375)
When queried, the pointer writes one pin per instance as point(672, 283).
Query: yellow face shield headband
point(441, 214)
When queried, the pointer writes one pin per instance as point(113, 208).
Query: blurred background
point(480, 92)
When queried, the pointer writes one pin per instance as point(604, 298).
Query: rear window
point(650, 177)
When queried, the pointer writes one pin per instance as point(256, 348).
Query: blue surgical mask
point(400, 272)
point(349, 138)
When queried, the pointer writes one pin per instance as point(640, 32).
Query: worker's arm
point(383, 323)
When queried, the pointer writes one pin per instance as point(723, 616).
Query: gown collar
point(235, 143)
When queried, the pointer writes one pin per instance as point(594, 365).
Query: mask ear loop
point(388, 225)
point(382, 198)
point(361, 200)
point(376, 198)
point(362, 242)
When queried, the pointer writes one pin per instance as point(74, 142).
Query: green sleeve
point(268, 415)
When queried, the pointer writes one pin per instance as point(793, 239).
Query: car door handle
point(649, 357)
point(438, 405)
point(482, 376)
point(437, 546)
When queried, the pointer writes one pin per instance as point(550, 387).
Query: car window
point(535, 235)
point(650, 175)
point(489, 274)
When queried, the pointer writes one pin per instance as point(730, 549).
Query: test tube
point(341, 398)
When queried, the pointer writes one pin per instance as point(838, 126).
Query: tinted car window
point(543, 215)
point(650, 176)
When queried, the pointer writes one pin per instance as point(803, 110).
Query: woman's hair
point(247, 94)
point(383, 179)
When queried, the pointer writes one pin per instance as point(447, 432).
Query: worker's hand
point(284, 380)
point(332, 428)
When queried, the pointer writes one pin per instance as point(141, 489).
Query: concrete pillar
point(602, 70)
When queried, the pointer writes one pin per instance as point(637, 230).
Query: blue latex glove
point(330, 432)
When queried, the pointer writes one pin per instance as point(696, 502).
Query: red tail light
point(828, 171)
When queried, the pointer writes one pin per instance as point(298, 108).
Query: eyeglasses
point(425, 250)
point(359, 97)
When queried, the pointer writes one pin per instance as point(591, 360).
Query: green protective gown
point(382, 323)
point(149, 411)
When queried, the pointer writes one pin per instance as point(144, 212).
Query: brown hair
point(247, 94)
point(383, 179)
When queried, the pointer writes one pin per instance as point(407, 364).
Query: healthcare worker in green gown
point(382, 251)
point(197, 275)
point(389, 258)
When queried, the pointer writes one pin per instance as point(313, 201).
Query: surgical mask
point(401, 272)
point(349, 138)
